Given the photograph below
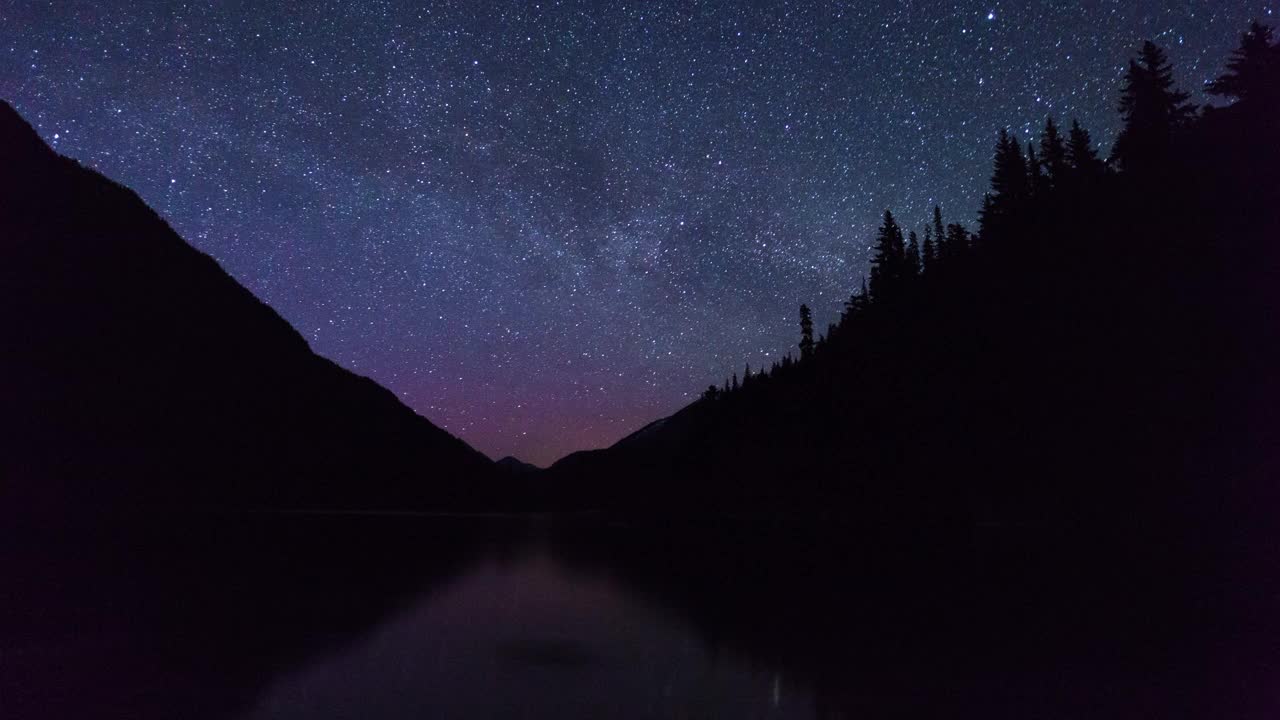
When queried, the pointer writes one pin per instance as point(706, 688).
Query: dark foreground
point(271, 616)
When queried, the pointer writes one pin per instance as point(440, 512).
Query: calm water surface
point(389, 617)
point(530, 638)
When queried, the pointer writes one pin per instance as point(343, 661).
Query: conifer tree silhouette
point(888, 265)
point(958, 238)
point(1253, 71)
point(1152, 109)
point(1053, 154)
point(912, 264)
point(941, 252)
point(857, 302)
point(1036, 180)
point(987, 214)
point(1081, 155)
point(928, 252)
point(1009, 174)
point(1010, 183)
point(806, 332)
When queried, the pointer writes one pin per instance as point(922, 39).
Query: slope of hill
point(1103, 348)
point(515, 466)
point(135, 371)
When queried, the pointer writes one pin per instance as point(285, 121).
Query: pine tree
point(1035, 175)
point(912, 265)
point(806, 332)
point(1053, 154)
point(734, 386)
point(1153, 111)
point(887, 268)
point(987, 215)
point(1009, 171)
point(857, 302)
point(928, 252)
point(1253, 72)
point(1081, 155)
point(958, 238)
point(1010, 183)
point(941, 252)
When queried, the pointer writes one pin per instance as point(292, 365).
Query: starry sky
point(545, 224)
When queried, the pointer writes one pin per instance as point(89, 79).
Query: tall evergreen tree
point(1153, 111)
point(806, 332)
point(1009, 171)
point(928, 251)
point(958, 237)
point(1253, 71)
point(857, 302)
point(1053, 153)
point(1035, 175)
point(912, 264)
point(1010, 184)
point(888, 265)
point(1081, 155)
point(939, 237)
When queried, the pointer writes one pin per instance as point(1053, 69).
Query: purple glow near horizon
point(545, 225)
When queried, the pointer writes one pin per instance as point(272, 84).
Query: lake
point(401, 616)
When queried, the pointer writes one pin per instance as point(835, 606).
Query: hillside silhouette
point(1107, 318)
point(136, 373)
point(1101, 347)
point(875, 520)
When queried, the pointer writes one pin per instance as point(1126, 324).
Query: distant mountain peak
point(517, 466)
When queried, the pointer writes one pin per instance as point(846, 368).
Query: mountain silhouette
point(515, 466)
point(136, 372)
point(1100, 352)
point(1103, 344)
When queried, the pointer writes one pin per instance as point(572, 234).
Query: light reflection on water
point(389, 617)
point(530, 638)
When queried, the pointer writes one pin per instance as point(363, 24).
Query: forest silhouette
point(877, 514)
point(1101, 344)
point(1102, 347)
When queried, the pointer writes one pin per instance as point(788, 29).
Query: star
point(627, 204)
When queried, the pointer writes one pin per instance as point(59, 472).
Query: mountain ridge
point(136, 357)
point(1095, 352)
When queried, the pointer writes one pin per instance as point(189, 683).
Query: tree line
point(1030, 182)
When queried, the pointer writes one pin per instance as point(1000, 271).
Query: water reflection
point(463, 617)
point(531, 638)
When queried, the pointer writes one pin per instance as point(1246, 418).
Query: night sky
point(544, 225)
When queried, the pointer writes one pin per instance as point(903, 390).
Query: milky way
point(544, 225)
